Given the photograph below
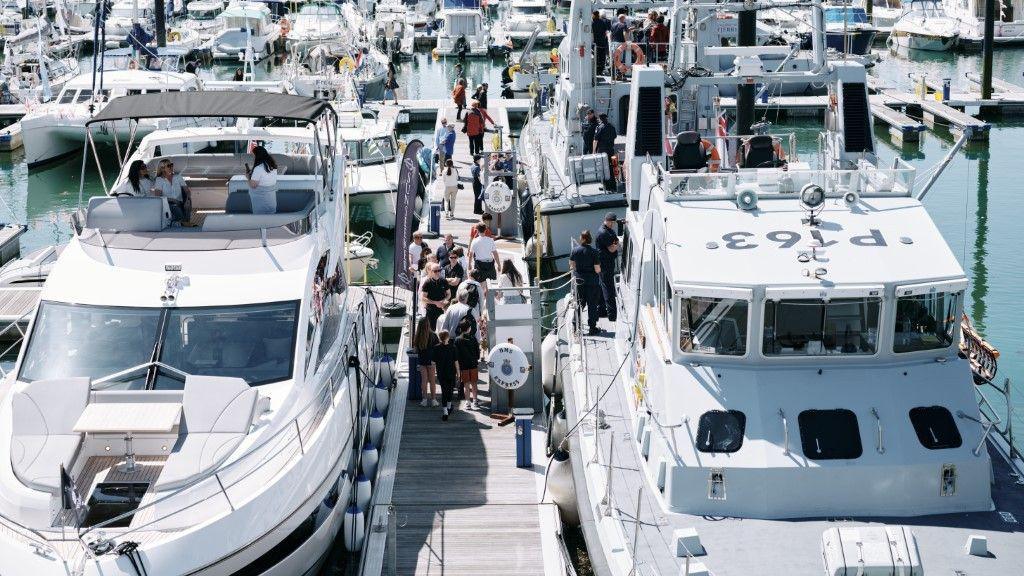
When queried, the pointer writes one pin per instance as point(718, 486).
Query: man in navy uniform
point(608, 249)
point(585, 264)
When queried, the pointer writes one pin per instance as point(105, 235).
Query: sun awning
point(212, 104)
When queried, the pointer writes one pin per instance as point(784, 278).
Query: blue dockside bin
point(524, 424)
point(435, 217)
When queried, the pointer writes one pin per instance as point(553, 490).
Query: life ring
point(638, 57)
point(174, 36)
point(532, 89)
point(554, 56)
point(347, 62)
point(513, 69)
point(286, 27)
point(508, 366)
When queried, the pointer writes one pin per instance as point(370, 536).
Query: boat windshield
point(253, 342)
point(204, 13)
point(841, 326)
point(926, 7)
point(926, 321)
point(851, 16)
point(713, 326)
point(371, 150)
point(530, 9)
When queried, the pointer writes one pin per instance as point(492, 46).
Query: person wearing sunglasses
point(434, 294)
point(172, 186)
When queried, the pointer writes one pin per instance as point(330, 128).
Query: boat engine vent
point(856, 118)
point(649, 112)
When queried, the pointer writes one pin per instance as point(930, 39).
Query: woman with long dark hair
point(138, 183)
point(424, 342)
point(510, 278)
point(262, 181)
point(451, 186)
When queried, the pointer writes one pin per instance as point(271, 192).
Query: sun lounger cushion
point(44, 413)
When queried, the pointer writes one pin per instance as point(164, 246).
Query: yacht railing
point(871, 182)
point(991, 420)
point(15, 334)
point(232, 484)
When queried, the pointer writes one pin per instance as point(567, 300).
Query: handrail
point(785, 432)
point(878, 423)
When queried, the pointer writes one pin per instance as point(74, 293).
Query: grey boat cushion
point(151, 214)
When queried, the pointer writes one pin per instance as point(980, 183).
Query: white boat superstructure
point(392, 30)
point(925, 25)
point(521, 18)
point(188, 398)
point(884, 13)
point(204, 16)
point(463, 30)
point(339, 70)
point(373, 165)
point(1008, 27)
point(247, 26)
point(54, 130)
point(317, 23)
point(124, 15)
point(35, 79)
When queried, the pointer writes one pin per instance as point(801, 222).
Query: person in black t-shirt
point(446, 362)
point(608, 249)
point(584, 261)
point(600, 26)
point(434, 294)
point(454, 273)
point(468, 348)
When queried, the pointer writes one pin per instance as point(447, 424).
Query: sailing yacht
point(186, 399)
point(782, 390)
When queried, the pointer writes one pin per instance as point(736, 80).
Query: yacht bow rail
point(872, 182)
point(233, 483)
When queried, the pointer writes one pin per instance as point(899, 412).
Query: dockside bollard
point(524, 426)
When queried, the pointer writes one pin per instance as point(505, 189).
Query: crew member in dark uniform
point(608, 250)
point(585, 264)
point(589, 126)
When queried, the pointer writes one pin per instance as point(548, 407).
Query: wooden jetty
point(902, 128)
point(450, 500)
point(16, 306)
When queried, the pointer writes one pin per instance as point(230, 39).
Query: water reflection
point(979, 272)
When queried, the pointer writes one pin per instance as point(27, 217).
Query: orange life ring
point(638, 57)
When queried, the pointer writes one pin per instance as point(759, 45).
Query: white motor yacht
point(884, 13)
point(125, 14)
point(57, 129)
point(782, 390)
point(316, 23)
point(393, 33)
point(247, 26)
point(187, 399)
point(463, 31)
point(373, 166)
point(521, 19)
point(1008, 28)
point(925, 25)
point(204, 16)
point(330, 69)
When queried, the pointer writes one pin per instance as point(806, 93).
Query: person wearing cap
point(608, 249)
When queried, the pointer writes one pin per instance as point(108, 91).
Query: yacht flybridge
point(185, 401)
point(782, 391)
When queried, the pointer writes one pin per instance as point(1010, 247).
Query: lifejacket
point(474, 123)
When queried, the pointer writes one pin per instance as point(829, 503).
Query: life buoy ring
point(347, 62)
point(286, 27)
point(513, 69)
point(638, 57)
point(174, 36)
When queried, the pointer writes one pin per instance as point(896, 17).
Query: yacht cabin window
point(254, 342)
point(371, 150)
point(811, 327)
point(713, 326)
point(67, 97)
point(935, 427)
point(830, 434)
point(721, 431)
point(926, 321)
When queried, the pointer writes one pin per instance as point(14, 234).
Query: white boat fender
point(386, 370)
point(561, 488)
point(376, 428)
point(353, 528)
point(548, 360)
point(559, 427)
point(380, 398)
point(364, 491)
point(369, 459)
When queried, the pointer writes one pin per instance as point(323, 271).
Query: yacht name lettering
point(740, 240)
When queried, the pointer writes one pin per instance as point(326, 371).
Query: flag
point(405, 203)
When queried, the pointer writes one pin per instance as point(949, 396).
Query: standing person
point(475, 126)
point(478, 186)
point(239, 75)
point(483, 253)
point(416, 251)
point(173, 187)
point(459, 97)
point(446, 362)
point(619, 31)
point(391, 84)
point(481, 95)
point(468, 347)
point(589, 127)
point(441, 142)
point(600, 26)
point(584, 262)
point(659, 38)
point(510, 278)
point(434, 294)
point(424, 343)
point(262, 182)
point(456, 313)
point(604, 142)
point(454, 273)
point(475, 290)
point(451, 185)
point(608, 250)
point(486, 220)
point(447, 245)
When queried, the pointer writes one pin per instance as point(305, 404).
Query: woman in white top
point(451, 185)
point(262, 182)
point(138, 183)
point(172, 186)
point(510, 278)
